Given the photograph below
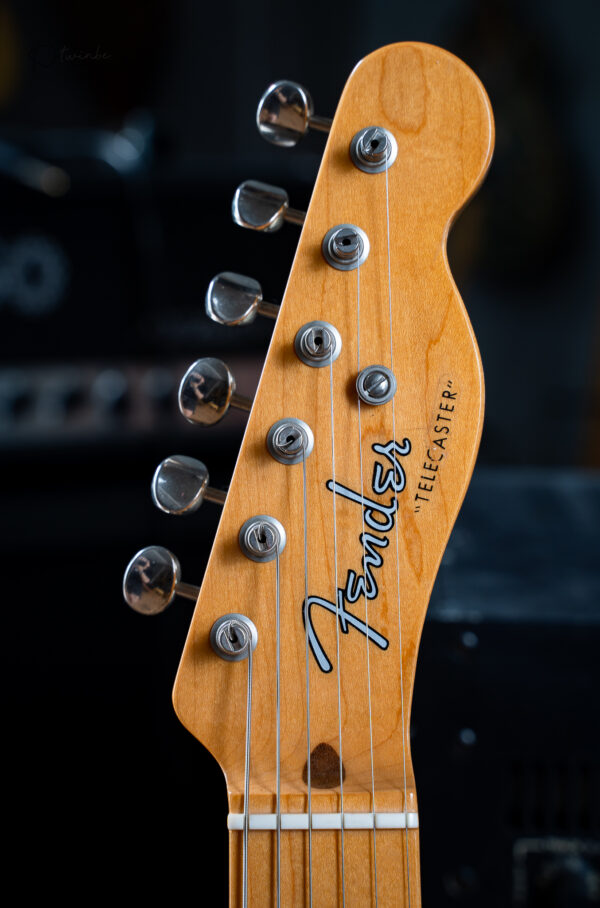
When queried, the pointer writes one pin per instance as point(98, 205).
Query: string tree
point(376, 385)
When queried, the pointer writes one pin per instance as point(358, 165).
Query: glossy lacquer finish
point(400, 471)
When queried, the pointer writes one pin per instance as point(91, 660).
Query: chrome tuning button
point(234, 299)
point(207, 390)
point(285, 112)
point(152, 579)
point(259, 206)
point(180, 485)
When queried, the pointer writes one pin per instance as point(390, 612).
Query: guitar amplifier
point(506, 738)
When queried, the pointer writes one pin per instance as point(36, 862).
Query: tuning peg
point(207, 390)
point(234, 299)
point(180, 485)
point(259, 206)
point(152, 580)
point(285, 112)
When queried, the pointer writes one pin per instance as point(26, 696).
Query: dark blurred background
point(124, 130)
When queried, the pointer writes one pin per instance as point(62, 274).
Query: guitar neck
point(357, 869)
point(299, 666)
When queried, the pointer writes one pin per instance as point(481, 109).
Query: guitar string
point(387, 208)
point(362, 496)
point(278, 741)
point(337, 634)
point(308, 770)
point(247, 774)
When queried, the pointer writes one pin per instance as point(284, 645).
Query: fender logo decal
point(380, 519)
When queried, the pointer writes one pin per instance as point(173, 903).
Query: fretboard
point(363, 866)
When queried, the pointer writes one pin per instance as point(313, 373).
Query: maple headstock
point(440, 117)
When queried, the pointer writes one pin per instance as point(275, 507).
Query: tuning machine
point(234, 299)
point(285, 112)
point(152, 579)
point(259, 206)
point(180, 485)
point(207, 390)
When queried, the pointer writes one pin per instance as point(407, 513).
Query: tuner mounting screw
point(261, 537)
point(373, 149)
point(290, 440)
point(318, 344)
point(232, 635)
point(376, 385)
point(345, 247)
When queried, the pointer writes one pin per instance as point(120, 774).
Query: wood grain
point(441, 118)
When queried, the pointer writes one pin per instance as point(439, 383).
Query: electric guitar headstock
point(298, 669)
